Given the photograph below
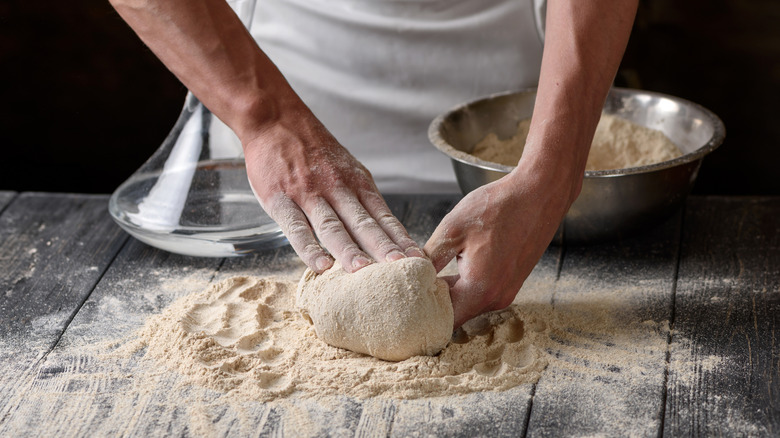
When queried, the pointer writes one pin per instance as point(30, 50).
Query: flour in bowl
point(617, 144)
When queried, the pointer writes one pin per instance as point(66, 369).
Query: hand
point(314, 188)
point(498, 233)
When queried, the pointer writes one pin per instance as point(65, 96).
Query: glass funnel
point(192, 196)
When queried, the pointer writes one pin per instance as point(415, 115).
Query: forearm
point(324, 200)
point(208, 48)
point(584, 44)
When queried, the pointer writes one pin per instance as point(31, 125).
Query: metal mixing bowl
point(613, 203)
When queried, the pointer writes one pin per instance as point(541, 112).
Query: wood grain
point(723, 376)
point(69, 288)
point(79, 393)
point(610, 305)
point(54, 249)
point(5, 199)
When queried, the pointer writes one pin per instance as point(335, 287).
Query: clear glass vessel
point(192, 196)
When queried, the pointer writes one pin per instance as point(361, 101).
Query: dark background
point(84, 103)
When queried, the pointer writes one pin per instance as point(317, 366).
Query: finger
point(441, 248)
point(466, 302)
point(364, 229)
point(377, 207)
point(450, 280)
point(473, 294)
point(296, 227)
point(335, 237)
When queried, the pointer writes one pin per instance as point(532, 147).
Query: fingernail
point(415, 252)
point(360, 262)
point(323, 263)
point(394, 255)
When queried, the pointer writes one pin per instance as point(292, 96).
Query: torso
point(376, 72)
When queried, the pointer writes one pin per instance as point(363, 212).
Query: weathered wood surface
point(724, 374)
point(608, 373)
point(5, 198)
point(53, 249)
point(714, 374)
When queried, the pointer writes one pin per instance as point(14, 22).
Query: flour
point(391, 311)
point(244, 337)
point(617, 144)
point(603, 355)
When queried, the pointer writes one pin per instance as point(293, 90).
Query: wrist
point(288, 140)
point(258, 112)
point(556, 181)
point(555, 164)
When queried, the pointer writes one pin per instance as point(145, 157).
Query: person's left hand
point(498, 233)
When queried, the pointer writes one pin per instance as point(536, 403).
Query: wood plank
point(5, 199)
point(493, 414)
point(609, 333)
point(79, 393)
point(723, 375)
point(54, 249)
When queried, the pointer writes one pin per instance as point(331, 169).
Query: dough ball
point(392, 311)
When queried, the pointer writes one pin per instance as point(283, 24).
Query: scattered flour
point(617, 144)
point(244, 336)
point(605, 360)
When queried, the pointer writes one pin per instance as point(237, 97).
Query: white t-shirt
point(377, 72)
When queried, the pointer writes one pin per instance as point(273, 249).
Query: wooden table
point(699, 299)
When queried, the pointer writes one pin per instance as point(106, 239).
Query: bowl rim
point(718, 135)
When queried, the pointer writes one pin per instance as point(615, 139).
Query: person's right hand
point(320, 195)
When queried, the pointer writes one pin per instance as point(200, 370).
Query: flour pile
point(617, 144)
point(243, 336)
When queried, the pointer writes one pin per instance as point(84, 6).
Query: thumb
point(442, 248)
point(463, 302)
